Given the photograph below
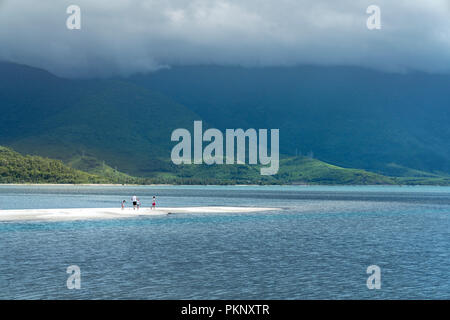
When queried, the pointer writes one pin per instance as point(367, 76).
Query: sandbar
point(113, 213)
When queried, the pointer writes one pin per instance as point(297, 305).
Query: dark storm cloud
point(128, 36)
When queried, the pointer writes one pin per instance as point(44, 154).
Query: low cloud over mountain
point(129, 36)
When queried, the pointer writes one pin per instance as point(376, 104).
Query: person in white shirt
point(134, 200)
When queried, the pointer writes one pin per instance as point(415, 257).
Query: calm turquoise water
point(317, 246)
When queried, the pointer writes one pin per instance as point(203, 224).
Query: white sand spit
point(111, 213)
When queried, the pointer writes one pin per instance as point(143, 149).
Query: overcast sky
point(128, 36)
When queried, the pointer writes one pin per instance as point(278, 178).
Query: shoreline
point(84, 184)
point(213, 185)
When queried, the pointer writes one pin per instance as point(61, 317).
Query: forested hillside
point(15, 168)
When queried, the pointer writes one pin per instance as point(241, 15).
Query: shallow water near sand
point(317, 246)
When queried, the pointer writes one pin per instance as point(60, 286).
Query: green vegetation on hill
point(294, 170)
point(403, 175)
point(436, 181)
point(99, 168)
point(15, 168)
point(312, 171)
point(120, 122)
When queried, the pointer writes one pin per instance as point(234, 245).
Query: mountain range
point(395, 125)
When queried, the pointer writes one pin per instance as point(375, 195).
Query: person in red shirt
point(154, 203)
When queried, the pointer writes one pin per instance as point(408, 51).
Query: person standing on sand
point(134, 199)
point(123, 204)
point(154, 203)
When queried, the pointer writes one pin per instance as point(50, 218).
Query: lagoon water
point(317, 246)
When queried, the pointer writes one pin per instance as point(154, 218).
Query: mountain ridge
point(127, 122)
point(348, 116)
